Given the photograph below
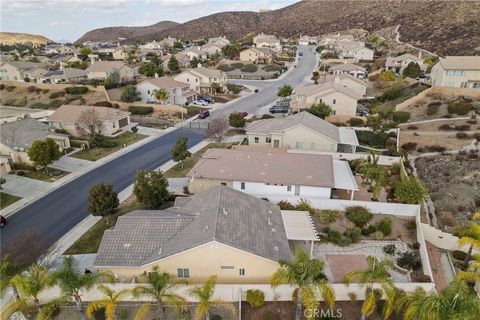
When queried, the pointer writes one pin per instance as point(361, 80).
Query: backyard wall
point(443, 240)
point(50, 86)
point(440, 91)
point(382, 160)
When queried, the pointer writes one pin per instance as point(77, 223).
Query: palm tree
point(161, 95)
point(7, 271)
point(31, 283)
point(457, 301)
point(204, 294)
point(471, 237)
point(160, 289)
point(72, 281)
point(373, 174)
point(377, 272)
point(109, 302)
point(307, 276)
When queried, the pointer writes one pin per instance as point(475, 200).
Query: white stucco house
point(398, 64)
point(178, 92)
point(346, 80)
point(267, 41)
point(457, 72)
point(354, 70)
point(195, 52)
point(201, 79)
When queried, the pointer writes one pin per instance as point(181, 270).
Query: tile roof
point(71, 113)
point(165, 83)
point(22, 133)
point(25, 64)
point(313, 89)
point(205, 72)
point(347, 67)
point(102, 66)
point(265, 167)
point(218, 214)
point(460, 62)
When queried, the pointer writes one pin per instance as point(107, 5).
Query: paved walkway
point(71, 164)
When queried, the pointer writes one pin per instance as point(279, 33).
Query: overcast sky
point(69, 19)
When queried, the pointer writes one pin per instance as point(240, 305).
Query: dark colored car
point(3, 221)
point(206, 99)
point(243, 114)
point(204, 114)
point(278, 109)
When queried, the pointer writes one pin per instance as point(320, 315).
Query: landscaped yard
point(181, 169)
point(7, 199)
point(54, 174)
point(93, 154)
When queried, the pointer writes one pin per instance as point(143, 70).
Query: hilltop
point(11, 38)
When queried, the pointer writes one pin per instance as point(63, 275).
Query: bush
point(54, 104)
point(44, 91)
point(385, 226)
point(409, 260)
point(236, 89)
point(38, 105)
point(328, 216)
point(409, 146)
point(267, 116)
point(250, 68)
point(255, 298)
point(433, 107)
point(103, 104)
point(463, 127)
point(389, 249)
point(359, 215)
point(31, 89)
point(459, 255)
point(19, 102)
point(356, 122)
point(445, 127)
point(345, 239)
point(391, 94)
point(305, 205)
point(56, 94)
point(10, 88)
point(140, 110)
point(72, 98)
point(369, 230)
point(460, 108)
point(23, 166)
point(462, 135)
point(401, 116)
point(2, 86)
point(285, 205)
point(272, 68)
point(76, 90)
point(225, 67)
point(412, 127)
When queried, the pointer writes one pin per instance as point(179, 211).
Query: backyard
point(251, 71)
point(119, 142)
point(7, 199)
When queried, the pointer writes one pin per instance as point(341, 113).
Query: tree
point(377, 272)
point(159, 288)
point(320, 110)
point(151, 69)
point(180, 150)
point(236, 120)
point(8, 270)
point(130, 94)
point(412, 70)
point(373, 174)
point(471, 237)
point(108, 303)
point(217, 128)
point(31, 283)
point(85, 51)
point(72, 281)
point(161, 95)
point(231, 50)
point(195, 62)
point(102, 201)
point(204, 295)
point(173, 65)
point(89, 122)
point(44, 152)
point(215, 87)
point(307, 276)
point(284, 91)
point(151, 188)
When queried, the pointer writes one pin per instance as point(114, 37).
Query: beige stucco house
point(352, 69)
point(342, 101)
point(220, 232)
point(346, 80)
point(178, 92)
point(67, 117)
point(211, 48)
point(398, 64)
point(302, 131)
point(102, 70)
point(457, 72)
point(201, 79)
point(267, 41)
point(20, 70)
point(257, 55)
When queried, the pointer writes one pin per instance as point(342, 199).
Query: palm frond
point(142, 311)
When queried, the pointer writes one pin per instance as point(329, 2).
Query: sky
point(70, 19)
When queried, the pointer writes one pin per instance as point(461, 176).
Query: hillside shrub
point(76, 90)
point(18, 102)
point(462, 135)
point(285, 205)
point(225, 67)
point(10, 88)
point(54, 104)
point(401, 116)
point(460, 107)
point(305, 205)
point(255, 298)
point(445, 127)
point(267, 116)
point(328, 216)
point(389, 249)
point(141, 110)
point(366, 231)
point(72, 98)
point(250, 68)
point(385, 226)
point(433, 107)
point(237, 65)
point(38, 105)
point(2, 86)
point(409, 260)
point(463, 127)
point(56, 94)
point(44, 91)
point(359, 215)
point(356, 122)
point(31, 89)
point(409, 146)
point(103, 104)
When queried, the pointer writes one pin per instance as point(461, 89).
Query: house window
point(321, 100)
point(312, 146)
point(256, 139)
point(297, 190)
point(183, 273)
point(334, 101)
point(289, 188)
point(242, 185)
point(227, 267)
point(476, 85)
point(148, 91)
point(223, 183)
point(299, 145)
point(268, 140)
point(463, 84)
point(188, 79)
point(241, 271)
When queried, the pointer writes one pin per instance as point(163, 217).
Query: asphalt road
point(55, 214)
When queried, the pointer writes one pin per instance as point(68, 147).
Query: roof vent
point(160, 251)
point(275, 248)
point(273, 230)
point(309, 177)
point(127, 245)
point(269, 221)
point(225, 212)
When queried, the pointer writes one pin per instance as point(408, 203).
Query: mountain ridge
point(10, 38)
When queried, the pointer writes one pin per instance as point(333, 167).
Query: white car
point(200, 103)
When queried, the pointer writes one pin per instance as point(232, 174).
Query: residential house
point(152, 45)
point(68, 117)
point(211, 48)
point(5, 166)
point(354, 50)
point(219, 41)
point(183, 60)
point(20, 70)
point(108, 48)
point(330, 40)
point(342, 100)
point(102, 70)
point(59, 49)
point(267, 41)
point(346, 80)
point(178, 92)
point(354, 70)
point(201, 79)
point(307, 40)
point(457, 72)
point(195, 53)
point(220, 231)
point(168, 42)
point(274, 175)
point(17, 137)
point(61, 60)
point(302, 131)
point(119, 54)
point(398, 64)
point(65, 75)
point(257, 55)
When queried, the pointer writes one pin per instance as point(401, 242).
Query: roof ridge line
point(217, 213)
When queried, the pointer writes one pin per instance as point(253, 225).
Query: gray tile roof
point(22, 133)
point(218, 214)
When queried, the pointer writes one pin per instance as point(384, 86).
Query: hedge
point(54, 104)
point(103, 104)
point(76, 90)
point(356, 122)
point(140, 110)
point(38, 105)
point(401, 116)
point(249, 68)
point(460, 108)
point(56, 94)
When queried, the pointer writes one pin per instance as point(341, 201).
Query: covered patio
point(299, 226)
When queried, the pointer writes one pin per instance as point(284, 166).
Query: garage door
point(123, 122)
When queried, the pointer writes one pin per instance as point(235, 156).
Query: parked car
point(278, 109)
point(243, 114)
point(204, 114)
point(3, 221)
point(363, 112)
point(200, 103)
point(207, 99)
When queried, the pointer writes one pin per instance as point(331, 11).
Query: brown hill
point(131, 33)
point(445, 27)
point(11, 38)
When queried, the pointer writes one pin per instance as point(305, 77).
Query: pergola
point(299, 226)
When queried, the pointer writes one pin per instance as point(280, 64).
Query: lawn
point(7, 199)
point(42, 176)
point(181, 169)
point(94, 154)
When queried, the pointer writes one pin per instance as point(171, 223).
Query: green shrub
point(460, 108)
point(305, 205)
point(250, 68)
point(328, 216)
point(103, 104)
point(356, 122)
point(267, 116)
point(391, 94)
point(56, 94)
point(459, 255)
point(31, 89)
point(359, 215)
point(272, 68)
point(18, 102)
point(76, 90)
point(401, 116)
point(255, 298)
point(285, 205)
point(371, 139)
point(140, 110)
point(54, 104)
point(385, 226)
point(44, 91)
point(347, 238)
point(2, 86)
point(72, 98)
point(23, 166)
point(235, 88)
point(389, 249)
point(237, 65)
point(10, 88)
point(433, 107)
point(409, 260)
point(225, 67)
point(366, 231)
point(38, 105)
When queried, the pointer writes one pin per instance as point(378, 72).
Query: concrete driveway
point(71, 164)
point(24, 187)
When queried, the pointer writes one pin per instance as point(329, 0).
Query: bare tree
point(89, 123)
point(217, 128)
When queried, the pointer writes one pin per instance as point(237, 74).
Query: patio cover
point(343, 176)
point(299, 226)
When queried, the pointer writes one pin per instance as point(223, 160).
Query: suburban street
point(53, 215)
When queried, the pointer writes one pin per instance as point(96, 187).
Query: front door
point(276, 143)
point(297, 190)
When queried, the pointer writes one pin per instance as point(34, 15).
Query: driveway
point(24, 187)
point(71, 164)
